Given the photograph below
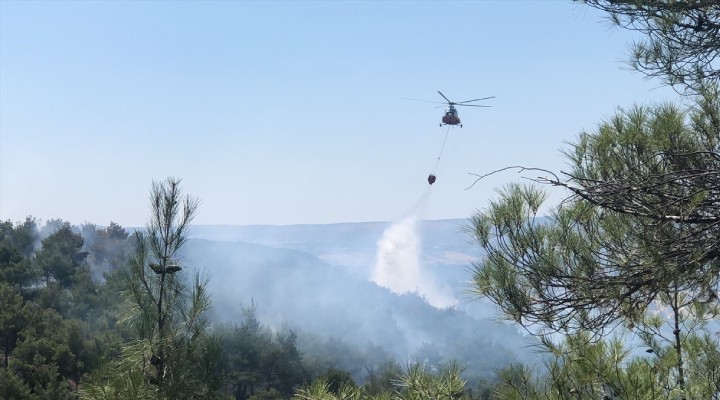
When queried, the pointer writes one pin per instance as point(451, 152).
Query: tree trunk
point(678, 342)
point(7, 349)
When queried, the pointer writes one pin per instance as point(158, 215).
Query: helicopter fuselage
point(451, 117)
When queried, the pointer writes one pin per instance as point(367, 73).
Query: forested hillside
point(279, 318)
point(297, 291)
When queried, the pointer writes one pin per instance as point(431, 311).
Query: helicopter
point(451, 114)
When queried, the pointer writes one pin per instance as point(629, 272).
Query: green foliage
point(60, 256)
point(419, 384)
point(584, 368)
point(15, 268)
point(337, 379)
point(12, 319)
point(45, 352)
point(13, 387)
point(267, 394)
point(319, 390)
point(641, 220)
point(517, 381)
point(634, 245)
point(21, 237)
point(680, 42)
point(257, 358)
point(321, 354)
point(108, 248)
point(39, 373)
point(173, 355)
point(415, 382)
point(43, 337)
point(382, 380)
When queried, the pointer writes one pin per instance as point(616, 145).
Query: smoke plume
point(398, 264)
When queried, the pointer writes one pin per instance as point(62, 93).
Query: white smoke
point(398, 265)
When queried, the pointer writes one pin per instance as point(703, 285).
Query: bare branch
point(520, 169)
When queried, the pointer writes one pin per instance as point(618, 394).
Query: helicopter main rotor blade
point(470, 101)
point(448, 100)
point(424, 101)
point(472, 105)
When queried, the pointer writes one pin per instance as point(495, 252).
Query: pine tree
point(173, 354)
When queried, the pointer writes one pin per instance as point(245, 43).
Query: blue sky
point(293, 112)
